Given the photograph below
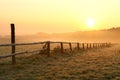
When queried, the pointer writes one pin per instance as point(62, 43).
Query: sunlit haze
point(90, 23)
point(58, 16)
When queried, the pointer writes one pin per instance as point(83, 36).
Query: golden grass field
point(94, 64)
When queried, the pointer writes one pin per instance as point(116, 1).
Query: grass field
point(95, 64)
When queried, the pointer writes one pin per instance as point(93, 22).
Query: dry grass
point(95, 64)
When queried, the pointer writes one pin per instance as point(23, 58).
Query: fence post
point(105, 45)
point(96, 45)
point(87, 46)
point(83, 45)
point(61, 47)
point(70, 46)
point(48, 48)
point(78, 47)
point(13, 42)
point(90, 46)
point(110, 44)
point(93, 45)
point(100, 45)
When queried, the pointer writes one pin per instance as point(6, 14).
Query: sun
point(90, 23)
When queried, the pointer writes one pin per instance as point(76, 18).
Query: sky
point(58, 16)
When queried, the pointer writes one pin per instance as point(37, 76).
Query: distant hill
point(113, 29)
point(106, 35)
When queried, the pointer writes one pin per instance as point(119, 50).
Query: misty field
point(94, 64)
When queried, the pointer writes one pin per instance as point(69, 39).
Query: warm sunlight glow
point(58, 16)
point(90, 23)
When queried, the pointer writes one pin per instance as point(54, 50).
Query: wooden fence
point(47, 46)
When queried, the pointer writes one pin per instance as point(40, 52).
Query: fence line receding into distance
point(47, 46)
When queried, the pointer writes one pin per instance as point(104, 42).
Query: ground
point(94, 64)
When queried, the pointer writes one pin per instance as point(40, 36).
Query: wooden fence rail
point(18, 53)
point(20, 44)
point(47, 46)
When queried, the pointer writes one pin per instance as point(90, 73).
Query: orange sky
point(32, 16)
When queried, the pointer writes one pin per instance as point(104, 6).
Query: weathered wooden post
point(93, 45)
point(109, 44)
point(13, 43)
point(48, 48)
point(87, 46)
point(78, 47)
point(83, 45)
point(70, 46)
point(101, 45)
point(90, 46)
point(62, 47)
point(106, 44)
point(96, 45)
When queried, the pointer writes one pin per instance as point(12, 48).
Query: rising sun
point(90, 23)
